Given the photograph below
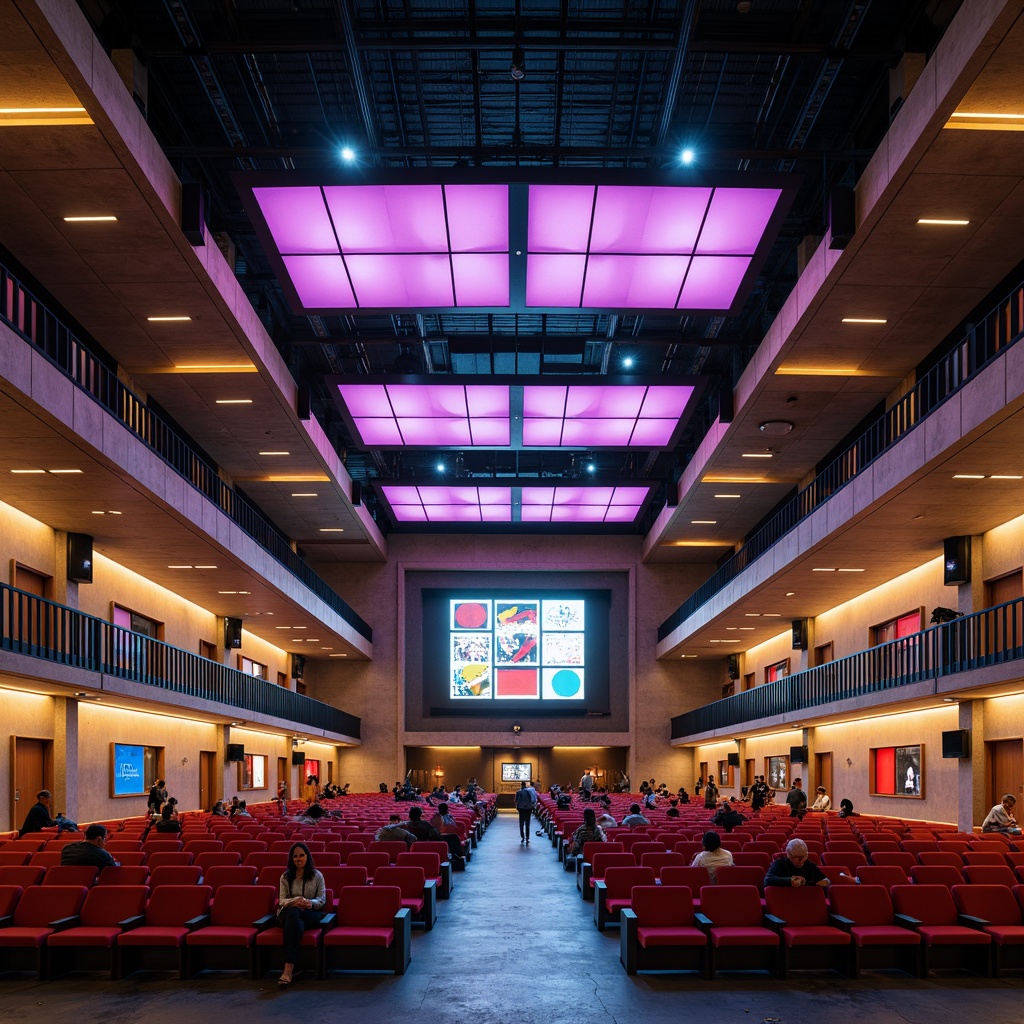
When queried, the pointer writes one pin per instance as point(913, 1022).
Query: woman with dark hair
point(712, 856)
point(301, 899)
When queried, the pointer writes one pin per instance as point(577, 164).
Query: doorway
point(207, 785)
point(1005, 763)
point(823, 773)
point(33, 771)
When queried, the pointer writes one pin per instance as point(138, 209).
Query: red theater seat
point(373, 932)
point(659, 933)
point(808, 940)
point(159, 942)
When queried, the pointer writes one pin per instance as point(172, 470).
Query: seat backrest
point(163, 858)
point(106, 905)
point(240, 905)
point(225, 858)
point(439, 847)
point(747, 859)
point(368, 906)
point(176, 874)
point(916, 846)
point(591, 847)
point(737, 874)
point(429, 862)
point(603, 861)
point(639, 849)
point(934, 874)
point(880, 874)
point(840, 845)
point(71, 874)
point(171, 905)
point(9, 896)
point(122, 875)
point(15, 858)
point(344, 848)
point(989, 874)
point(244, 846)
point(619, 881)
point(24, 876)
point(901, 860)
point(662, 906)
point(985, 857)
point(198, 846)
point(848, 859)
point(948, 857)
point(239, 875)
point(959, 846)
point(692, 877)
point(732, 906)
point(801, 906)
point(929, 904)
point(657, 861)
point(392, 847)
point(268, 858)
point(409, 879)
point(151, 846)
point(347, 874)
point(369, 859)
point(862, 904)
point(989, 902)
point(44, 858)
point(41, 904)
point(762, 846)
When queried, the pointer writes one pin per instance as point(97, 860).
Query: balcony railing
point(41, 327)
point(60, 635)
point(1000, 329)
point(988, 637)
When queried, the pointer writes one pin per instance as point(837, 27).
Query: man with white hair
point(795, 868)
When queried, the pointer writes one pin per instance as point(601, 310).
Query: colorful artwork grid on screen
point(528, 649)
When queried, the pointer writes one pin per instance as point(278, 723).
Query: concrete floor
point(516, 945)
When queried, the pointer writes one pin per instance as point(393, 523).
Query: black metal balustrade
point(1001, 328)
point(36, 324)
point(988, 637)
point(52, 632)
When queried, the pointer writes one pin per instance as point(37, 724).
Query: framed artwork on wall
point(778, 773)
point(252, 772)
point(898, 771)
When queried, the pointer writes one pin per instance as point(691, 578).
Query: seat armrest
point(906, 921)
point(63, 923)
point(838, 921)
point(430, 883)
point(197, 922)
point(131, 922)
point(771, 921)
point(627, 914)
point(972, 922)
point(5, 922)
point(703, 922)
point(328, 921)
point(263, 922)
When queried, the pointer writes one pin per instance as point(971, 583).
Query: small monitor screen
point(516, 772)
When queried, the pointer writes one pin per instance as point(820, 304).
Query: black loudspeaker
point(298, 758)
point(734, 666)
point(956, 743)
point(357, 493)
point(842, 216)
point(79, 558)
point(725, 405)
point(193, 212)
point(298, 666)
point(304, 402)
point(232, 632)
point(798, 755)
point(734, 760)
point(235, 752)
point(799, 634)
point(956, 561)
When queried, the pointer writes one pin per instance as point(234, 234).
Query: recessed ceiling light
point(790, 593)
point(97, 219)
point(775, 428)
point(48, 110)
point(179, 567)
point(27, 472)
point(168, 319)
point(851, 570)
point(823, 570)
point(215, 368)
point(752, 615)
point(968, 476)
point(206, 567)
point(275, 453)
point(863, 320)
point(703, 522)
point(113, 512)
point(744, 629)
point(773, 615)
point(332, 529)
point(59, 472)
point(731, 629)
point(942, 222)
point(304, 494)
point(345, 655)
point(234, 401)
point(756, 455)
point(727, 495)
point(1005, 476)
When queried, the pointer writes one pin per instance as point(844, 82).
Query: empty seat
point(431, 865)
point(878, 941)
point(733, 917)
point(930, 910)
point(989, 874)
point(593, 872)
point(419, 893)
point(935, 874)
point(946, 857)
point(877, 874)
point(808, 940)
point(989, 909)
point(71, 874)
point(340, 878)
point(369, 860)
point(205, 861)
point(159, 942)
point(23, 876)
point(237, 913)
point(185, 874)
point(122, 875)
point(658, 931)
point(614, 892)
point(241, 874)
point(39, 907)
point(373, 931)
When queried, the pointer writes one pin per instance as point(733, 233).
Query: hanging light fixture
point(517, 69)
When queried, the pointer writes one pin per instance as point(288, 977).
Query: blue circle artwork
point(566, 682)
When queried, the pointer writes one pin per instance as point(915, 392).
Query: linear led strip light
point(479, 415)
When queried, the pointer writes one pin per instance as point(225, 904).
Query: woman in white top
point(302, 896)
point(712, 856)
point(823, 803)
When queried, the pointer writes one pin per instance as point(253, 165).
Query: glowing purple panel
point(559, 218)
point(297, 218)
point(665, 401)
point(596, 433)
point(630, 495)
point(428, 400)
point(434, 431)
point(622, 513)
point(453, 513)
point(496, 513)
point(487, 400)
point(388, 218)
point(445, 495)
point(554, 280)
point(599, 401)
point(713, 281)
point(535, 514)
point(477, 217)
point(653, 433)
point(365, 399)
point(320, 281)
point(633, 282)
point(409, 513)
point(481, 279)
point(490, 433)
point(495, 495)
point(737, 220)
point(583, 495)
point(398, 495)
point(544, 401)
point(636, 219)
point(578, 514)
point(378, 431)
point(538, 495)
point(423, 280)
point(542, 433)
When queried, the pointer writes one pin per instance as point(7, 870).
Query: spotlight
point(591, 468)
point(517, 69)
point(628, 362)
point(440, 467)
point(687, 156)
point(517, 728)
point(348, 154)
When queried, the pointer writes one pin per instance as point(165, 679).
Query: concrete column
point(65, 757)
point(807, 739)
point(972, 805)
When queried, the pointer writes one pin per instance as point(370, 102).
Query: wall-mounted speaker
point(298, 758)
point(725, 405)
point(79, 558)
point(235, 752)
point(734, 760)
point(956, 743)
point(193, 212)
point(298, 666)
point(304, 402)
point(798, 755)
point(800, 634)
point(357, 493)
point(671, 493)
point(734, 666)
point(233, 633)
point(956, 561)
point(842, 216)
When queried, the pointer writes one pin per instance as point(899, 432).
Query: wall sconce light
point(438, 772)
point(517, 728)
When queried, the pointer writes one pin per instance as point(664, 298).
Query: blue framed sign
point(128, 770)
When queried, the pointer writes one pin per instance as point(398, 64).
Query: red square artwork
point(518, 682)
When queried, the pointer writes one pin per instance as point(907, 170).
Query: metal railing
point(36, 324)
point(53, 632)
point(989, 339)
point(988, 637)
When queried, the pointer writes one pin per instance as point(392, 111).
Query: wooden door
point(823, 775)
point(748, 772)
point(1005, 629)
point(33, 771)
point(1005, 765)
point(208, 795)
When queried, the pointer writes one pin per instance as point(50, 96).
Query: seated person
point(822, 803)
point(168, 821)
point(588, 832)
point(445, 823)
point(712, 856)
point(344, 789)
point(394, 831)
point(634, 817)
point(1001, 819)
point(728, 817)
point(38, 816)
point(673, 810)
point(846, 809)
point(220, 810)
point(418, 827)
point(313, 813)
point(795, 868)
point(91, 852)
point(240, 811)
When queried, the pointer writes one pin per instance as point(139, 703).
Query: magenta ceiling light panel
point(737, 220)
point(634, 282)
point(582, 504)
point(449, 504)
point(560, 217)
point(388, 218)
point(481, 279)
point(320, 280)
point(635, 219)
point(298, 219)
point(713, 281)
point(478, 218)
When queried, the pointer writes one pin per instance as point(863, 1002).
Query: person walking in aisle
point(526, 800)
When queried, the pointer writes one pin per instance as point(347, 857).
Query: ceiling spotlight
point(440, 467)
point(517, 728)
point(591, 468)
point(348, 154)
point(628, 362)
point(687, 156)
point(775, 428)
point(517, 69)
